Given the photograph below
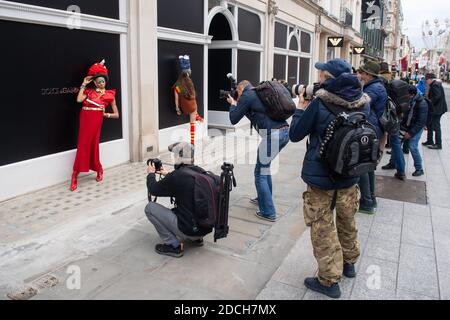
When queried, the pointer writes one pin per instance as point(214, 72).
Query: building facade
point(52, 44)
point(394, 40)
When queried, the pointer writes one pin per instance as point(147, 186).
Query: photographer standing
point(179, 224)
point(336, 249)
point(275, 136)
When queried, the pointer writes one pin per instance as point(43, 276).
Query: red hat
point(99, 70)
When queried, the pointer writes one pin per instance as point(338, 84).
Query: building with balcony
point(373, 28)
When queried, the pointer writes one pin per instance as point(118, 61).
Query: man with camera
point(336, 248)
point(275, 136)
point(179, 224)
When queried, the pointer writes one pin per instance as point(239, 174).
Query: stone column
point(143, 88)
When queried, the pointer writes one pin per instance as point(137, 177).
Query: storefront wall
point(49, 51)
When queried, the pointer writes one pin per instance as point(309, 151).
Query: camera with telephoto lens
point(223, 94)
point(310, 90)
point(156, 163)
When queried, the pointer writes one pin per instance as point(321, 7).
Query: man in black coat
point(175, 226)
point(437, 96)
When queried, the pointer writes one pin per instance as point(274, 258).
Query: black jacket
point(437, 97)
point(418, 115)
point(179, 185)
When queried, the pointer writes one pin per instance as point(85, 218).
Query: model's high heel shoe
point(198, 118)
point(100, 176)
point(74, 183)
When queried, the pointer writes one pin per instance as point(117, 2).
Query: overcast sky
point(417, 11)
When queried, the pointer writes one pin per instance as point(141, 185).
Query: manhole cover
point(406, 191)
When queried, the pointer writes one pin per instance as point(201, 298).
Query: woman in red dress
point(95, 102)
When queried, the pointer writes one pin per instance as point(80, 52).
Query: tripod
point(227, 182)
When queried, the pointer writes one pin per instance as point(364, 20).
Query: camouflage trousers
point(333, 245)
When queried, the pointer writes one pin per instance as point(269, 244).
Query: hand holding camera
point(155, 166)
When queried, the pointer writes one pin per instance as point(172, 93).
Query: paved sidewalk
point(405, 246)
point(101, 230)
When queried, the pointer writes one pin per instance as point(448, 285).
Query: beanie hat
point(99, 70)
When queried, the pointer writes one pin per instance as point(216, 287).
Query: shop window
point(181, 15)
point(279, 67)
point(42, 114)
point(219, 61)
point(306, 42)
point(292, 70)
point(293, 45)
point(280, 35)
point(305, 66)
point(168, 72)
point(249, 27)
point(103, 8)
point(249, 66)
point(220, 28)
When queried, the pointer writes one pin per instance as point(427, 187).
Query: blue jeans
point(367, 187)
point(397, 157)
point(414, 148)
point(268, 150)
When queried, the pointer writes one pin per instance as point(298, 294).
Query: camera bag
point(350, 147)
point(277, 100)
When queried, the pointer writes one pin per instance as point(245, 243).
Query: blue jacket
point(376, 90)
point(422, 86)
point(250, 106)
point(419, 115)
point(316, 118)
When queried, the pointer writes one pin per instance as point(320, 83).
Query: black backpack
point(206, 196)
point(398, 91)
point(277, 100)
point(350, 147)
point(389, 120)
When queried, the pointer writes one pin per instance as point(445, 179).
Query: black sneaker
point(400, 176)
point(349, 270)
point(435, 147)
point(168, 250)
point(270, 219)
point(196, 243)
point(426, 143)
point(389, 166)
point(254, 201)
point(314, 284)
point(418, 173)
point(366, 210)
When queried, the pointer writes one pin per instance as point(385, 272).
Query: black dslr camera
point(223, 94)
point(156, 163)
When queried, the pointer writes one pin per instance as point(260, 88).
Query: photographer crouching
point(179, 224)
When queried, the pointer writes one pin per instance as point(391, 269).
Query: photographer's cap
point(183, 153)
point(335, 67)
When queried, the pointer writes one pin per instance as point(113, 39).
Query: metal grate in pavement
point(406, 191)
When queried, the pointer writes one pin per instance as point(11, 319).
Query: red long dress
point(91, 121)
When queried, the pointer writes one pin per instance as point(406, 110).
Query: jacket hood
point(346, 86)
point(331, 98)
